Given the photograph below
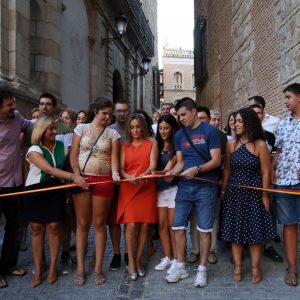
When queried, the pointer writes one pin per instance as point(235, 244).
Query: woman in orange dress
point(137, 198)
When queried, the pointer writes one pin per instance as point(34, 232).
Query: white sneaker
point(201, 279)
point(177, 274)
point(173, 267)
point(164, 263)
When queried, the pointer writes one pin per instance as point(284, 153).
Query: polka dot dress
point(244, 219)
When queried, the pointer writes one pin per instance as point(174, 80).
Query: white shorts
point(166, 198)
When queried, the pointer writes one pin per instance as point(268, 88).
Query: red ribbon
point(151, 176)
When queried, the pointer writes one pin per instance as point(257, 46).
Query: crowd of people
point(177, 170)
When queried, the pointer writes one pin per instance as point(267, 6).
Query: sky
point(175, 25)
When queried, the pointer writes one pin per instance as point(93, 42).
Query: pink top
point(10, 152)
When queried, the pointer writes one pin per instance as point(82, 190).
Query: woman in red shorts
point(95, 153)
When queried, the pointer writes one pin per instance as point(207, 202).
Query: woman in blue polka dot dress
point(245, 217)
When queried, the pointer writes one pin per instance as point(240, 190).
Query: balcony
point(178, 86)
point(142, 24)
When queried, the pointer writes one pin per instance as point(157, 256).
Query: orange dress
point(137, 202)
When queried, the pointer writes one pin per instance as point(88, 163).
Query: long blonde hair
point(39, 129)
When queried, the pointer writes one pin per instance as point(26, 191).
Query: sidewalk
point(153, 286)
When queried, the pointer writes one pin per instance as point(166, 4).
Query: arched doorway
point(118, 90)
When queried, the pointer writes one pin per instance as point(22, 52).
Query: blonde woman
point(45, 210)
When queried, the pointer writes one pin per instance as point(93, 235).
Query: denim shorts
point(288, 206)
point(202, 198)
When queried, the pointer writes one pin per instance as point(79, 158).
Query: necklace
point(244, 143)
point(95, 127)
point(95, 130)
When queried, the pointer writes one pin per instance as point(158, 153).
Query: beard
point(11, 114)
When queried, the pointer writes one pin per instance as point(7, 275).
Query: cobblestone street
point(153, 286)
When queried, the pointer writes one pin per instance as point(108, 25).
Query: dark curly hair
point(173, 123)
point(251, 123)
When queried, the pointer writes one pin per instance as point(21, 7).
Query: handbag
point(77, 189)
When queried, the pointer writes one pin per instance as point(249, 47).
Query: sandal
point(237, 273)
point(99, 278)
point(36, 280)
point(79, 279)
point(52, 279)
point(3, 283)
point(256, 276)
point(291, 277)
point(15, 271)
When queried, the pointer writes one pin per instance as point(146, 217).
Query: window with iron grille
point(200, 54)
point(177, 81)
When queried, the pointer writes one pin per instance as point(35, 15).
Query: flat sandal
point(79, 279)
point(291, 277)
point(237, 275)
point(99, 278)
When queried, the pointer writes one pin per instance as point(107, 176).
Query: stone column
point(18, 37)
point(52, 48)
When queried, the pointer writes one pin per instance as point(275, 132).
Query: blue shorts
point(288, 206)
point(202, 198)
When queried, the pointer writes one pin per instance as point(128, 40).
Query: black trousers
point(11, 207)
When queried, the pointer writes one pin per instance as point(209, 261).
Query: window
point(177, 81)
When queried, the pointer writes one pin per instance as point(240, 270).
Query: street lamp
point(144, 68)
point(121, 25)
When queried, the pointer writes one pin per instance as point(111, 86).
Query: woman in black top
point(167, 126)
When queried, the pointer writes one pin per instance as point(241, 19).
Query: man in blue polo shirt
point(198, 152)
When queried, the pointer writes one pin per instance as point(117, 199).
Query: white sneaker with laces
point(173, 267)
point(201, 279)
point(164, 263)
point(177, 274)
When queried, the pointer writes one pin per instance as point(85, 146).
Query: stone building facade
point(245, 48)
point(178, 74)
point(57, 46)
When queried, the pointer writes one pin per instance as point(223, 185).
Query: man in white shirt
point(269, 123)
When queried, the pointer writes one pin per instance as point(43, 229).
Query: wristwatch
point(199, 168)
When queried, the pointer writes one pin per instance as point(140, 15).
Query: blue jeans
point(288, 206)
point(201, 197)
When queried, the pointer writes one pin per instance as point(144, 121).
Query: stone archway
point(118, 90)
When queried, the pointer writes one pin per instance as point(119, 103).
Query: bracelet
point(115, 173)
point(199, 168)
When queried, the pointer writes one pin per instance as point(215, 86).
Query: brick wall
point(253, 48)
